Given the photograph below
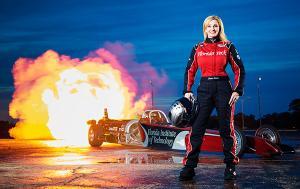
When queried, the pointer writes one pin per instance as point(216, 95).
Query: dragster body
point(154, 130)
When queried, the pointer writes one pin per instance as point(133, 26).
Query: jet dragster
point(154, 130)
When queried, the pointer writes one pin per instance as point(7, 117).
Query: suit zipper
point(215, 46)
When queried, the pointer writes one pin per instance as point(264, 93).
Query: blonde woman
point(214, 91)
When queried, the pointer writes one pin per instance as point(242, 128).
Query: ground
point(51, 164)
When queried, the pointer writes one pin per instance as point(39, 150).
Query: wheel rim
point(134, 134)
point(268, 135)
point(238, 142)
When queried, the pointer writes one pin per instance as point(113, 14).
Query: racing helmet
point(183, 112)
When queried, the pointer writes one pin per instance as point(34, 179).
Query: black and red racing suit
point(214, 91)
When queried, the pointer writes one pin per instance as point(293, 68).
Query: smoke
point(55, 94)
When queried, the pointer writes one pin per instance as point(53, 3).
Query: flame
point(55, 95)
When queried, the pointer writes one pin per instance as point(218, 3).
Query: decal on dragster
point(164, 138)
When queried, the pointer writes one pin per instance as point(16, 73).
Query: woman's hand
point(189, 96)
point(234, 97)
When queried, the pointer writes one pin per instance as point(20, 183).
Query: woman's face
point(213, 28)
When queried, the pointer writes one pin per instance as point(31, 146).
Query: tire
point(133, 135)
point(241, 142)
point(269, 133)
point(94, 136)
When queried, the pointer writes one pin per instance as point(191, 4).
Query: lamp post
point(259, 78)
point(242, 104)
point(152, 94)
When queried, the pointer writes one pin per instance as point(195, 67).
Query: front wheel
point(240, 142)
point(269, 133)
point(94, 136)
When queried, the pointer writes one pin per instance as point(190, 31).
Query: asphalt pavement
point(53, 164)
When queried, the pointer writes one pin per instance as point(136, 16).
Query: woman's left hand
point(234, 97)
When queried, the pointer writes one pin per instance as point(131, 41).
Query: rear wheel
point(241, 142)
point(94, 136)
point(269, 133)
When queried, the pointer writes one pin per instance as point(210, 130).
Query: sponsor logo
point(237, 54)
point(161, 137)
point(212, 53)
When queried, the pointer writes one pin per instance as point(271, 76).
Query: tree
point(294, 106)
point(4, 128)
point(244, 121)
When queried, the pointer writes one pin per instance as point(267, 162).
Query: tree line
point(284, 120)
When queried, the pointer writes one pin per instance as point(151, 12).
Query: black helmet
point(183, 112)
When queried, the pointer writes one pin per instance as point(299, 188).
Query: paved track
point(51, 164)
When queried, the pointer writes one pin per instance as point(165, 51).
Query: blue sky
point(266, 34)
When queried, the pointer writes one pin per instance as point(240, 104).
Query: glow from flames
point(55, 95)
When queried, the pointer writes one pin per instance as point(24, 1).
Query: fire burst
point(55, 95)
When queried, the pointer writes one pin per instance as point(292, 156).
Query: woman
point(215, 91)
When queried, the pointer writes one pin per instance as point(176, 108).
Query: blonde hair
point(221, 34)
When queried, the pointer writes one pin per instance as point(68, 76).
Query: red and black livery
point(214, 91)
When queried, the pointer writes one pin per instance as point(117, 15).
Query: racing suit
point(214, 91)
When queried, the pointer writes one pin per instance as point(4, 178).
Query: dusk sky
point(162, 32)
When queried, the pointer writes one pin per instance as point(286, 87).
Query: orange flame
point(55, 95)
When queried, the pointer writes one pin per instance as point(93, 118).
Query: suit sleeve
point(190, 71)
point(237, 68)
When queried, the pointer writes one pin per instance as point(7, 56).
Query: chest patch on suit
point(212, 53)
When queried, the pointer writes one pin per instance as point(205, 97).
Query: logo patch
point(212, 53)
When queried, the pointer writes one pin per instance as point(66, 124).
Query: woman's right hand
point(189, 96)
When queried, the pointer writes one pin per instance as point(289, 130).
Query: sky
point(162, 34)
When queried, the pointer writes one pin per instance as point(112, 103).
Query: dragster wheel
point(240, 142)
point(269, 133)
point(94, 136)
point(133, 135)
